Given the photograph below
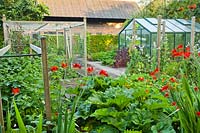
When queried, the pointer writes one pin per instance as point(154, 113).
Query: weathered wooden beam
point(158, 40)
point(46, 79)
point(36, 48)
point(4, 50)
point(85, 45)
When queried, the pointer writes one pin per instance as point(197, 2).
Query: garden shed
point(177, 31)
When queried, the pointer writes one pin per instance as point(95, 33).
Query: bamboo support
point(192, 34)
point(46, 79)
point(158, 40)
point(85, 45)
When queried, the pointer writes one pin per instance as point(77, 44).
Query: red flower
point(196, 88)
point(198, 113)
point(54, 68)
point(15, 91)
point(173, 103)
point(164, 88)
point(154, 72)
point(172, 79)
point(186, 55)
point(64, 65)
point(90, 69)
point(199, 54)
point(141, 78)
point(187, 48)
point(77, 66)
point(180, 46)
point(103, 73)
point(192, 7)
point(166, 94)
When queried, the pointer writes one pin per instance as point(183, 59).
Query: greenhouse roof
point(172, 25)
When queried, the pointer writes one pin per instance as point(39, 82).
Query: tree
point(21, 10)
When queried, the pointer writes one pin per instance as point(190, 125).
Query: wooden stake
point(158, 40)
point(85, 45)
point(192, 34)
point(46, 79)
point(5, 31)
point(57, 42)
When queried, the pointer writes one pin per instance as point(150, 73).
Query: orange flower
point(54, 68)
point(64, 65)
point(181, 9)
point(192, 7)
point(77, 66)
point(172, 79)
point(103, 73)
point(90, 69)
point(15, 91)
point(141, 78)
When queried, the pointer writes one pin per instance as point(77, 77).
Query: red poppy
point(15, 91)
point(103, 73)
point(141, 78)
point(180, 46)
point(173, 103)
point(192, 7)
point(186, 55)
point(77, 66)
point(172, 79)
point(90, 69)
point(164, 88)
point(198, 113)
point(154, 72)
point(54, 68)
point(64, 65)
point(198, 53)
point(187, 48)
point(166, 94)
point(196, 88)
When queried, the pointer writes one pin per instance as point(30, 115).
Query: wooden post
point(158, 40)
point(85, 45)
point(133, 37)
point(46, 79)
point(57, 42)
point(163, 30)
point(5, 31)
point(70, 45)
point(192, 35)
point(1, 114)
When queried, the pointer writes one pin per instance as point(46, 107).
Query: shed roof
point(109, 9)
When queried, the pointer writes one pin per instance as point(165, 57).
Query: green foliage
point(122, 103)
point(107, 58)
point(172, 9)
point(20, 122)
point(101, 43)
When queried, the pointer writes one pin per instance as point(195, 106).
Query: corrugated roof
point(115, 9)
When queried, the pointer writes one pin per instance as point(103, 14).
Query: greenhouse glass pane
point(179, 39)
point(173, 27)
point(146, 25)
point(181, 26)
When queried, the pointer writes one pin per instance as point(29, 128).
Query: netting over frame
point(70, 37)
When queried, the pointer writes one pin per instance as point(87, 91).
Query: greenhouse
point(177, 31)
